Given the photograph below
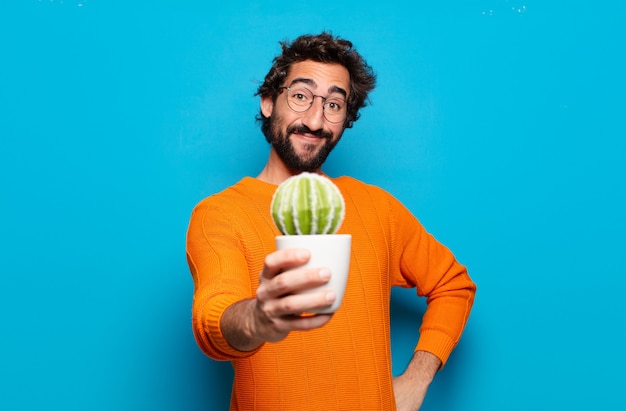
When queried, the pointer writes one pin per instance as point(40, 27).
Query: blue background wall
point(499, 123)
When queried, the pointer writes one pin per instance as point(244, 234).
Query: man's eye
point(334, 105)
point(300, 97)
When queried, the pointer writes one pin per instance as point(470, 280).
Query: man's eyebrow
point(304, 80)
point(336, 89)
point(312, 83)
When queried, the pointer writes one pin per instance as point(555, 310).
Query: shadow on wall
point(215, 380)
point(406, 317)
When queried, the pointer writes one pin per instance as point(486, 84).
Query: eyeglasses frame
point(313, 101)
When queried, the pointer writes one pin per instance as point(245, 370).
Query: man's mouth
point(307, 136)
point(305, 132)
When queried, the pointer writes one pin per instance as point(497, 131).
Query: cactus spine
point(308, 203)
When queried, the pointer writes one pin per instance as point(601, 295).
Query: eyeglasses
point(300, 99)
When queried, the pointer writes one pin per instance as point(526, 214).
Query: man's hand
point(278, 307)
point(410, 388)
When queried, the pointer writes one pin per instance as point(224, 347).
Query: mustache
point(302, 129)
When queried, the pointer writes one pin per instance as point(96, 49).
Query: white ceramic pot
point(327, 250)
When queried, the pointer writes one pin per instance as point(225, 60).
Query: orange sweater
point(345, 365)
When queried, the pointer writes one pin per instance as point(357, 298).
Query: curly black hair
point(323, 48)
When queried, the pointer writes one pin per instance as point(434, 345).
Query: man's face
point(304, 140)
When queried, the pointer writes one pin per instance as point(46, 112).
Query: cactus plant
point(308, 203)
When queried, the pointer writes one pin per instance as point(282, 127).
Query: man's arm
point(410, 388)
point(431, 267)
point(277, 308)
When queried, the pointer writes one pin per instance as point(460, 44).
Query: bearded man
point(248, 304)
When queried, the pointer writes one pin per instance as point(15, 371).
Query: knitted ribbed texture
point(346, 364)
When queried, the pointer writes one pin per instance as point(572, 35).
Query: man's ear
point(267, 106)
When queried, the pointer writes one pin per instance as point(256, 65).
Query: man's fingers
point(292, 282)
point(282, 260)
point(296, 304)
point(282, 297)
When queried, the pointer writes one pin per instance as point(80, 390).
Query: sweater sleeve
point(220, 274)
point(430, 267)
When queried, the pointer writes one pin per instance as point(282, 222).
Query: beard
point(312, 158)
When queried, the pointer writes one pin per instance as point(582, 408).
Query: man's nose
point(314, 116)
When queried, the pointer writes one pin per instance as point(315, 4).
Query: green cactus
point(308, 203)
